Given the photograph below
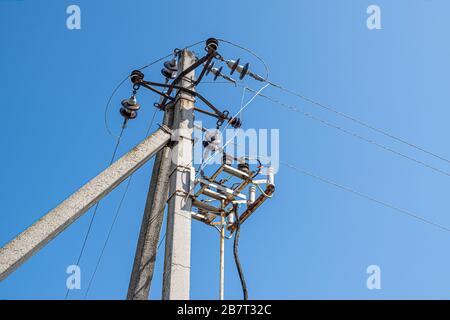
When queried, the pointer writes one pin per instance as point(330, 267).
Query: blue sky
point(311, 240)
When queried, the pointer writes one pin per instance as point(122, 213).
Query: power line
point(358, 121)
point(237, 260)
point(108, 237)
point(115, 217)
point(266, 67)
point(241, 109)
point(329, 124)
point(365, 196)
point(105, 115)
point(119, 138)
point(333, 110)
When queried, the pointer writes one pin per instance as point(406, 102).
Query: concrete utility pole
point(177, 262)
point(147, 247)
point(172, 181)
point(222, 256)
point(16, 252)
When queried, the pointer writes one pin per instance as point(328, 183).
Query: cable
point(108, 236)
point(266, 79)
point(236, 257)
point(128, 76)
point(204, 163)
point(342, 114)
point(329, 124)
point(161, 241)
point(360, 122)
point(367, 197)
point(96, 206)
point(115, 217)
point(241, 114)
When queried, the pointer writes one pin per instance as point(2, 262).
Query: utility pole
point(222, 255)
point(177, 261)
point(147, 247)
point(21, 248)
point(172, 180)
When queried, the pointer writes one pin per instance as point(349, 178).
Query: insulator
point(128, 114)
point(129, 108)
point(244, 71)
point(217, 73)
point(212, 139)
point(244, 166)
point(271, 176)
point(170, 69)
point(136, 76)
point(227, 159)
point(171, 65)
point(231, 218)
point(131, 103)
point(168, 74)
point(251, 194)
point(210, 67)
point(212, 44)
point(233, 65)
point(235, 122)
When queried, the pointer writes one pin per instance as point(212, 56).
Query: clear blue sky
point(312, 240)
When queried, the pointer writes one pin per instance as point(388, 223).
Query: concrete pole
point(222, 257)
point(16, 252)
point(147, 246)
point(177, 261)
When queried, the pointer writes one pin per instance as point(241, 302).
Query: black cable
point(96, 206)
point(236, 257)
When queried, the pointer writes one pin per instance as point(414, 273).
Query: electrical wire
point(236, 257)
point(107, 237)
point(205, 162)
point(358, 121)
point(115, 216)
point(127, 77)
point(202, 166)
point(266, 78)
point(348, 132)
point(367, 197)
point(347, 116)
point(119, 138)
point(334, 110)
